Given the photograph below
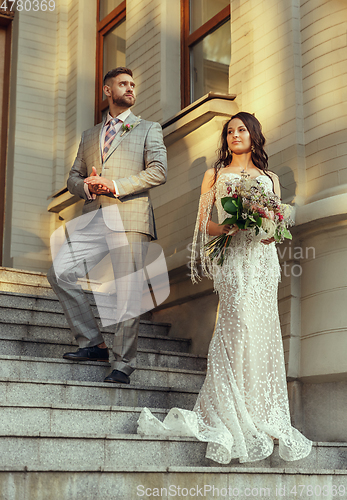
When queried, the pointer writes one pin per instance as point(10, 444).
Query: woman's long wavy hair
point(258, 155)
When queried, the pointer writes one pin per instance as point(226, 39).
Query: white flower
point(269, 227)
point(288, 212)
point(248, 184)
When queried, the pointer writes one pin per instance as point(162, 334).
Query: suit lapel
point(120, 136)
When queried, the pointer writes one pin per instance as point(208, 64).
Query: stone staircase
point(64, 435)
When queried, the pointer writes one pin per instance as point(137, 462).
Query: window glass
point(203, 10)
point(114, 48)
point(107, 6)
point(209, 63)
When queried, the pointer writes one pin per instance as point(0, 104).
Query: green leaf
point(230, 220)
point(224, 200)
point(258, 221)
point(287, 234)
point(228, 205)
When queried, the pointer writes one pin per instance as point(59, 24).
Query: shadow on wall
point(288, 184)
point(29, 240)
point(197, 169)
point(29, 251)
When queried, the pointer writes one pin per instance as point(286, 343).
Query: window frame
point(6, 18)
point(188, 40)
point(103, 27)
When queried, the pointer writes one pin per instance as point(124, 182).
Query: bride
point(243, 403)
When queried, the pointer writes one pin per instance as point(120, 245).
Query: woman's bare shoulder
point(209, 173)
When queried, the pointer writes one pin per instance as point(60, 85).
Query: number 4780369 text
point(27, 5)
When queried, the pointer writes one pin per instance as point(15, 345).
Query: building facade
point(195, 64)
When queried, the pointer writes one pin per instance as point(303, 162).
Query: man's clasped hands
point(99, 185)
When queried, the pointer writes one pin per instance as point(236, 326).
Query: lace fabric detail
point(201, 237)
point(243, 403)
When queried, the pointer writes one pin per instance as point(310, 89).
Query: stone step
point(70, 420)
point(22, 276)
point(56, 452)
point(36, 310)
point(211, 483)
point(27, 282)
point(30, 282)
point(47, 334)
point(25, 317)
point(28, 367)
point(145, 357)
point(28, 392)
point(21, 282)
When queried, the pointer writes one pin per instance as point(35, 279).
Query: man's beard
point(123, 102)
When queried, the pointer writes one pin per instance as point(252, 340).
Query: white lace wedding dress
point(243, 402)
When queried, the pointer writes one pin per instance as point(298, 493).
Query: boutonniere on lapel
point(126, 127)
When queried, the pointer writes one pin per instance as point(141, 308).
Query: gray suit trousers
point(83, 250)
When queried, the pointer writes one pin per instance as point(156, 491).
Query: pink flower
point(280, 217)
point(234, 195)
point(127, 125)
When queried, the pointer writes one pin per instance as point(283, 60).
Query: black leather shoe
point(94, 353)
point(117, 376)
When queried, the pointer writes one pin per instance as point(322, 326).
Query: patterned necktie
point(109, 136)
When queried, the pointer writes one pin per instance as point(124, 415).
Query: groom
point(117, 162)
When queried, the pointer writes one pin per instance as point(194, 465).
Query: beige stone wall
point(143, 54)
point(33, 161)
point(323, 297)
point(324, 63)
point(266, 75)
point(153, 53)
point(54, 91)
point(176, 202)
point(324, 285)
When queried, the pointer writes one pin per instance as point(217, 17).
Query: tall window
point(206, 48)
point(110, 46)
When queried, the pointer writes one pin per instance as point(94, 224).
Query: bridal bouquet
point(250, 206)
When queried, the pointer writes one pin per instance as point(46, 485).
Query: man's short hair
point(115, 72)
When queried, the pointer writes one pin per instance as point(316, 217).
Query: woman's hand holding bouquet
point(250, 207)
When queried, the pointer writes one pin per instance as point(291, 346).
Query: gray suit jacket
point(137, 162)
